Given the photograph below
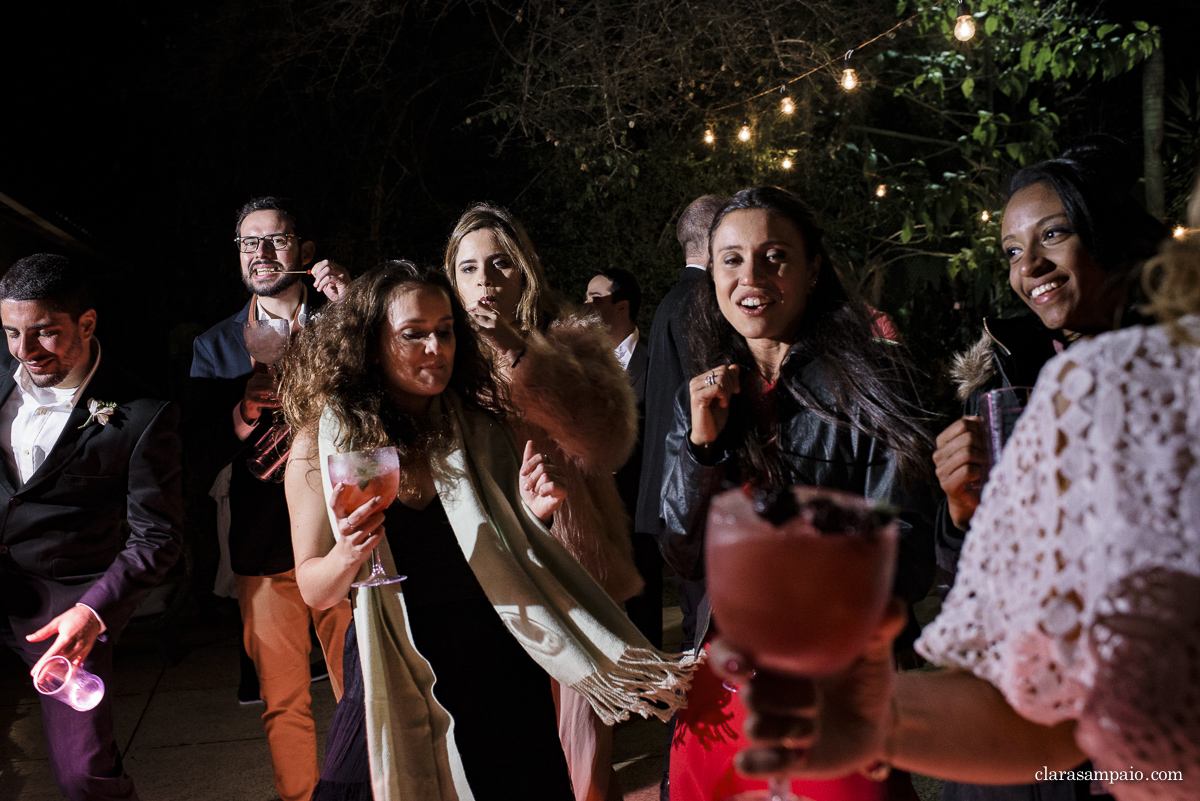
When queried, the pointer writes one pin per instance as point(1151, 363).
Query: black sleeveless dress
point(505, 725)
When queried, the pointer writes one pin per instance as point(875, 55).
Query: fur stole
point(574, 401)
point(974, 368)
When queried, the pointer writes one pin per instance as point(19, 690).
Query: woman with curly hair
point(792, 386)
point(492, 602)
point(572, 399)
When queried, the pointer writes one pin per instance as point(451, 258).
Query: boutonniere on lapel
point(99, 412)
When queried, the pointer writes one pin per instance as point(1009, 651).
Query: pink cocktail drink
point(363, 476)
point(803, 596)
point(361, 490)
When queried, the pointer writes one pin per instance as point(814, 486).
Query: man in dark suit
point(616, 297)
point(233, 406)
point(85, 452)
point(670, 366)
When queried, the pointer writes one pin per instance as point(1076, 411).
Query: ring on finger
point(710, 379)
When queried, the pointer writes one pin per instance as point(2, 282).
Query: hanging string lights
point(964, 25)
point(787, 106)
point(849, 76)
point(984, 217)
point(964, 30)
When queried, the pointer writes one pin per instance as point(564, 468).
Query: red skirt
point(708, 734)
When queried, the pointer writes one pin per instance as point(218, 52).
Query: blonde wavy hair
point(537, 307)
point(1172, 278)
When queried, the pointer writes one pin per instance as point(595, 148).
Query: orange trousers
point(275, 623)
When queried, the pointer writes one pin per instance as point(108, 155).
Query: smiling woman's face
point(1048, 266)
point(762, 274)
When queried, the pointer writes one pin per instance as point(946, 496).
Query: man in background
point(616, 297)
point(234, 403)
point(670, 366)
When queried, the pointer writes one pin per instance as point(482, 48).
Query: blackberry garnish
point(774, 503)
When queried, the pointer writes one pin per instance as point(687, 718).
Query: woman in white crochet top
point(1074, 629)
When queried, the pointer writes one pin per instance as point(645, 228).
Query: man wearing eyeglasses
point(234, 401)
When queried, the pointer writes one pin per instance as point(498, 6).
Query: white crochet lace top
point(1078, 590)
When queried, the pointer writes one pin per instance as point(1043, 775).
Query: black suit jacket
point(669, 367)
point(63, 533)
point(260, 540)
point(629, 476)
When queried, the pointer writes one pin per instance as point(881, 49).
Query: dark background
point(140, 127)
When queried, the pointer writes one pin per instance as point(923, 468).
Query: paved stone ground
point(185, 738)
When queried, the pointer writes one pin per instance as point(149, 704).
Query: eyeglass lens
point(249, 244)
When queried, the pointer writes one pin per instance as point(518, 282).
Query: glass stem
point(376, 563)
point(777, 789)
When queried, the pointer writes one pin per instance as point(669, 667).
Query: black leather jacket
point(814, 452)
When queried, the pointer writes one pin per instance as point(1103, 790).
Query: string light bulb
point(985, 216)
point(744, 134)
point(787, 106)
point(964, 26)
point(1180, 232)
point(709, 138)
point(849, 76)
point(881, 190)
point(787, 164)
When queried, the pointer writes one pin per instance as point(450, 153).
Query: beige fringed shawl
point(557, 612)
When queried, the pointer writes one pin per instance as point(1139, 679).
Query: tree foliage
point(909, 169)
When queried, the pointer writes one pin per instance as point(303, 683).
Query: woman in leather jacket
point(791, 386)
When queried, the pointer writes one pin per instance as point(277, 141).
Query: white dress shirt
point(624, 351)
point(31, 422)
point(33, 418)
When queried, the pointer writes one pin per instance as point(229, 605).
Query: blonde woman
point(571, 398)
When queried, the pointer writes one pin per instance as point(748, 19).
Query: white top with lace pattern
point(1078, 589)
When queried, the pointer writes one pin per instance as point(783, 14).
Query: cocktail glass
point(364, 475)
point(803, 596)
point(1000, 410)
point(267, 341)
point(59, 677)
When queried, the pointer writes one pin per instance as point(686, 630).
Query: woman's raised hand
point(543, 486)
point(358, 532)
point(496, 329)
point(710, 393)
point(961, 459)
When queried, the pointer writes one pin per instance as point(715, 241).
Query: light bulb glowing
point(787, 164)
point(964, 28)
point(849, 79)
point(881, 190)
point(788, 105)
point(708, 137)
point(985, 217)
point(1180, 232)
point(744, 134)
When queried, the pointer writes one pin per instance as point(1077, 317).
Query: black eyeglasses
point(249, 244)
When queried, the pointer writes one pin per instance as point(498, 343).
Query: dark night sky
point(125, 118)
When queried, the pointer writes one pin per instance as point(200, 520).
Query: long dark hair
point(1095, 183)
point(871, 385)
point(335, 363)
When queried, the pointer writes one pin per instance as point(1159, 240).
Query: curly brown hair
point(1172, 278)
point(334, 364)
